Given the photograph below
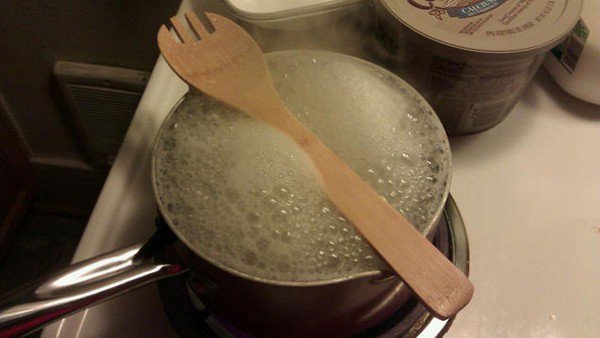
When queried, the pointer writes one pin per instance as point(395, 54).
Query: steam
point(352, 30)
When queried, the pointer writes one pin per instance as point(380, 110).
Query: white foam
point(246, 196)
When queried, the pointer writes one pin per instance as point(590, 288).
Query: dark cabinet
point(16, 185)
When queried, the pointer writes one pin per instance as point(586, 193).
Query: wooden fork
point(228, 65)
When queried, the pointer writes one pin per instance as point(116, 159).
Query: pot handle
point(82, 285)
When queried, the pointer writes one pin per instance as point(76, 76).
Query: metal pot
point(261, 305)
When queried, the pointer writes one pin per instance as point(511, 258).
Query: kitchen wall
point(36, 34)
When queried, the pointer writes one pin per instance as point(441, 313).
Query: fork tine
point(181, 31)
point(165, 39)
point(213, 19)
point(196, 24)
point(222, 23)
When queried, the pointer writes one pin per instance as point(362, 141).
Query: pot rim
point(428, 231)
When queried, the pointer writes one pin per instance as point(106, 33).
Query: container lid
point(489, 26)
point(281, 9)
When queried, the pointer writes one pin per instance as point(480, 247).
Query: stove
point(528, 190)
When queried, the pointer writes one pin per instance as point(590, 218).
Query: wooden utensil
point(228, 65)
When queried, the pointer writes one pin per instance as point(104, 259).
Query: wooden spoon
point(228, 65)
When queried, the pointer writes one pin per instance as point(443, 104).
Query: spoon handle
point(442, 287)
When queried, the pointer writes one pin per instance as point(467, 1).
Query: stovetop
point(529, 191)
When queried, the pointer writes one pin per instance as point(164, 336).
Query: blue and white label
point(455, 8)
point(471, 10)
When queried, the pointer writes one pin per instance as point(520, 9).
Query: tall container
point(575, 64)
point(473, 59)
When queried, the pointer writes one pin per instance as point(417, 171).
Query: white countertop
point(528, 190)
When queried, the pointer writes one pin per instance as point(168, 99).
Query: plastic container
point(333, 25)
point(576, 68)
point(472, 59)
point(291, 15)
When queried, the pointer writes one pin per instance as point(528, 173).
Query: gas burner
point(191, 318)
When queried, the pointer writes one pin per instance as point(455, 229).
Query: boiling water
point(246, 197)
